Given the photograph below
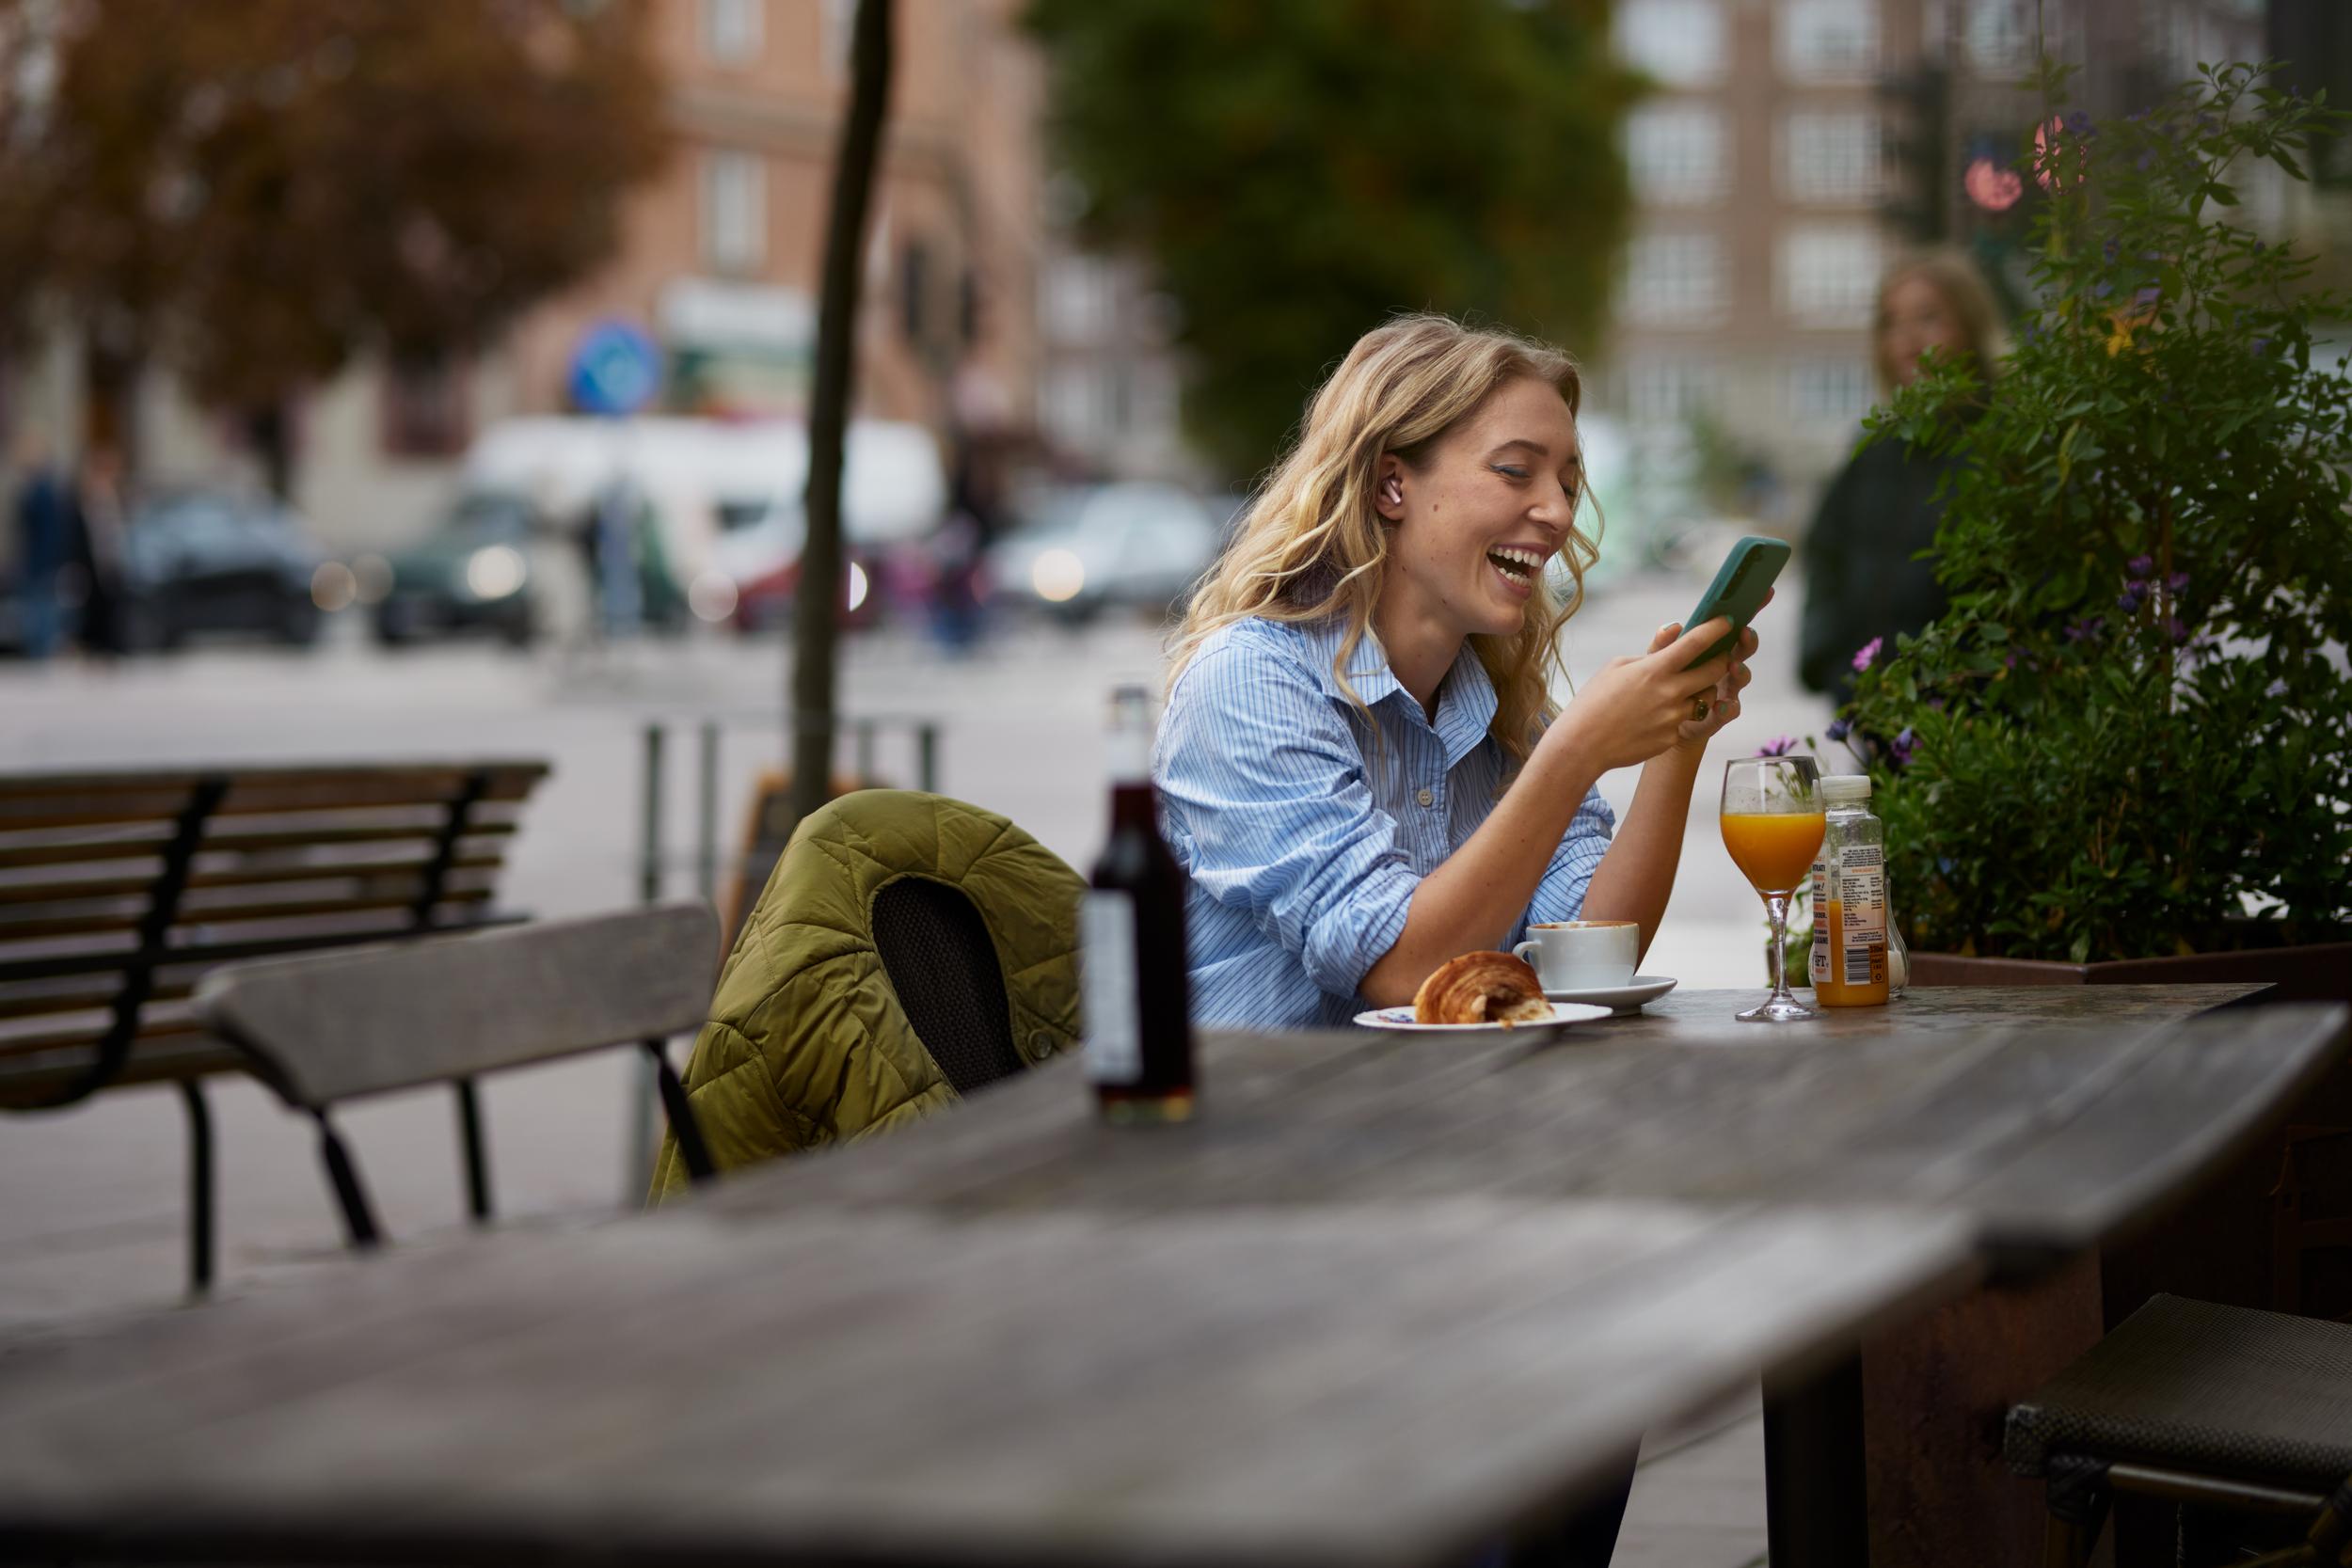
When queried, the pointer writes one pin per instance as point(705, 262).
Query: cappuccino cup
point(1582, 954)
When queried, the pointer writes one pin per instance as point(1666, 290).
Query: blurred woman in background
point(1861, 580)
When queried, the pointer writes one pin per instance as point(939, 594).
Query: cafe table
point(1389, 1297)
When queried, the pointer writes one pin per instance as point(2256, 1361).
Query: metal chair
point(332, 1027)
point(2220, 1407)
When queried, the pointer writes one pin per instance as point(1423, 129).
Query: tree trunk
point(815, 611)
point(267, 427)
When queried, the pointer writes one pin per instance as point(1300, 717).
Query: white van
point(726, 495)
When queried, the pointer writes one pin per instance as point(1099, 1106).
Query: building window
point(1077, 305)
point(735, 210)
point(1830, 391)
point(1829, 41)
point(1675, 280)
point(1833, 157)
point(1678, 42)
point(1664, 391)
point(2000, 36)
point(1829, 276)
point(424, 409)
point(1676, 155)
point(733, 30)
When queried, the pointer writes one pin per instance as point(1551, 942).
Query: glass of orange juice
point(1772, 821)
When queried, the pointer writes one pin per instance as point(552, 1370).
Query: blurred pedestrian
point(45, 529)
point(1862, 577)
point(100, 541)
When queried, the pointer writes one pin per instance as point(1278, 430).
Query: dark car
point(472, 576)
point(202, 561)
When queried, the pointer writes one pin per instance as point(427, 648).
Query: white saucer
point(1563, 1014)
point(1624, 1001)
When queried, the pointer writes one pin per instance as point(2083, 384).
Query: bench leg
point(477, 1157)
point(359, 1219)
point(200, 1186)
point(690, 1148)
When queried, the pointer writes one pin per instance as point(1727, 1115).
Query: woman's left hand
point(1724, 703)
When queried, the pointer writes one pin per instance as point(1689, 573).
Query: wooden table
point(1388, 1297)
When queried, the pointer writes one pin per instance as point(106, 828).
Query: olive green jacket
point(807, 1044)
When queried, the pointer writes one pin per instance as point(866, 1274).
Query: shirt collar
point(1466, 698)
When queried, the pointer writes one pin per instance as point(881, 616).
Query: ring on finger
point(1698, 710)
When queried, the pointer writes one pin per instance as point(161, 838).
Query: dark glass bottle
point(1137, 989)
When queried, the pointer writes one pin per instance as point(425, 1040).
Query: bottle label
point(1817, 961)
point(1106, 979)
point(1862, 914)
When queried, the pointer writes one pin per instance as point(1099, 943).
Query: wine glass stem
point(1776, 907)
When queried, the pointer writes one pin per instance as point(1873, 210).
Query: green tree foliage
point(1297, 172)
point(2130, 735)
point(257, 190)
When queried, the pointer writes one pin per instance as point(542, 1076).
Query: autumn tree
point(1297, 172)
point(257, 191)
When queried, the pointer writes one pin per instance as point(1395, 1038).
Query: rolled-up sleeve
point(1561, 894)
point(1263, 784)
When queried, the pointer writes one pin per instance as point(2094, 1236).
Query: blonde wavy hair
point(1312, 548)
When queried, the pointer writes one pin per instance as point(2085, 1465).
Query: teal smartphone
point(1739, 591)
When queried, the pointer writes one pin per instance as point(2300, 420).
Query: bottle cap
point(1837, 788)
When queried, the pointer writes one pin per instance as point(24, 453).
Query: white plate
point(1563, 1014)
point(1621, 1000)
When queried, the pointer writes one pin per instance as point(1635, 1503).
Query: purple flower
point(2083, 631)
point(2173, 625)
point(1901, 748)
point(2079, 123)
point(2140, 565)
point(2177, 582)
point(2142, 162)
point(1840, 728)
point(2261, 348)
point(2134, 595)
point(2109, 249)
point(1867, 654)
point(1935, 703)
point(1779, 746)
point(2260, 248)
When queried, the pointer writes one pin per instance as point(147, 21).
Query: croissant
point(1482, 988)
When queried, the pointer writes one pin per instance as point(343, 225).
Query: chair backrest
point(119, 890)
point(333, 1025)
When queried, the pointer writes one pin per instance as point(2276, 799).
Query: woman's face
point(1476, 523)
point(1918, 317)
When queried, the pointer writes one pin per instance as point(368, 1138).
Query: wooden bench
point(119, 890)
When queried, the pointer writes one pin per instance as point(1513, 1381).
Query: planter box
point(2315, 971)
point(2224, 1243)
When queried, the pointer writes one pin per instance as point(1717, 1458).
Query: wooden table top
point(1387, 1297)
point(2049, 1117)
point(1388, 1384)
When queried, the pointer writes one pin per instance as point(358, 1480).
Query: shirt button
point(1427, 797)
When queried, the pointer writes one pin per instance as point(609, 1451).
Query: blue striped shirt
point(1304, 842)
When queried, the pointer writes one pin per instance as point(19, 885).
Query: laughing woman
point(1361, 769)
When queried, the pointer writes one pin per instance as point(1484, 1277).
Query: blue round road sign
point(616, 370)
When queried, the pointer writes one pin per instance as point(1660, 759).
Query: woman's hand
point(1723, 705)
point(1637, 708)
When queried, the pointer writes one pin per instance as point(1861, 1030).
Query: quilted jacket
point(806, 1043)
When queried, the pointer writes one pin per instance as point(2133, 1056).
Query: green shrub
point(2130, 736)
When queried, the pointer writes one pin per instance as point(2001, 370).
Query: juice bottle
point(1850, 925)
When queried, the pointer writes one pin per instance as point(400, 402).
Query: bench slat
point(412, 776)
point(16, 926)
point(334, 1025)
point(57, 890)
point(15, 856)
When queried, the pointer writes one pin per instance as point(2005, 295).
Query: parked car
point(200, 561)
point(472, 576)
point(1132, 544)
